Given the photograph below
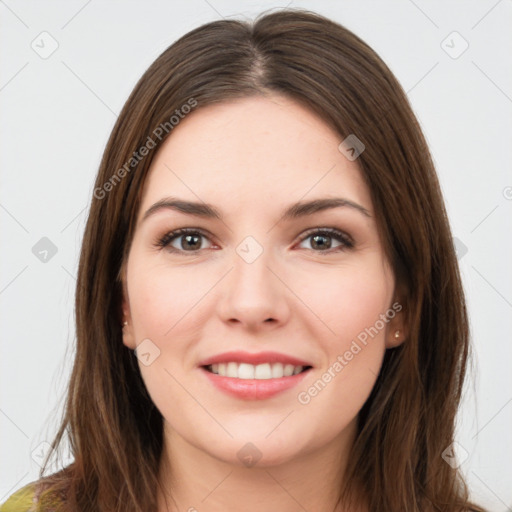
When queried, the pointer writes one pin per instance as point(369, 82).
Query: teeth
point(249, 371)
point(262, 371)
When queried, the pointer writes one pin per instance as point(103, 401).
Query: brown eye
point(322, 240)
point(182, 240)
point(185, 240)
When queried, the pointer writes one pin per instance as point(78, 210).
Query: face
point(278, 288)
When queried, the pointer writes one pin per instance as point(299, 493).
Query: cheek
point(350, 305)
point(349, 300)
point(162, 301)
point(161, 298)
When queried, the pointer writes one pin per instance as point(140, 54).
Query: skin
point(251, 158)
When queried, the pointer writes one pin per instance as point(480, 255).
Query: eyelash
point(338, 235)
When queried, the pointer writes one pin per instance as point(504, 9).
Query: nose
point(254, 295)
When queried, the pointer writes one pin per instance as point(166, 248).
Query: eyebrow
point(294, 211)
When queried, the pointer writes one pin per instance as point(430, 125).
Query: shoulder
point(27, 498)
point(23, 500)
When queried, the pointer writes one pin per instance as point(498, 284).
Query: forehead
point(253, 152)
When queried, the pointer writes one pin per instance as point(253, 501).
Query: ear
point(396, 329)
point(127, 324)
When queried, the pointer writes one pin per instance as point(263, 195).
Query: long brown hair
point(114, 429)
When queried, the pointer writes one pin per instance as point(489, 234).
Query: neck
point(194, 481)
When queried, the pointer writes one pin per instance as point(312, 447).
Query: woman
point(269, 310)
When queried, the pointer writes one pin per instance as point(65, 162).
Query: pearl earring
point(125, 323)
point(397, 335)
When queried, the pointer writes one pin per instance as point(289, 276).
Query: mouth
point(255, 376)
point(254, 382)
point(264, 371)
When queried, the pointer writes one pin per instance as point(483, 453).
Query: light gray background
point(57, 113)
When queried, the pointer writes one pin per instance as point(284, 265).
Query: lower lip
point(254, 389)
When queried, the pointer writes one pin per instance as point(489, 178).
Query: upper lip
point(253, 358)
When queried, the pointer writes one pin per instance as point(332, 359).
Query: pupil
point(190, 237)
point(316, 238)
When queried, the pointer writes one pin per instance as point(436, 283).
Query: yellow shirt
point(25, 500)
point(21, 501)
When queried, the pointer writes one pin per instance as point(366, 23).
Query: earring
point(125, 323)
point(397, 335)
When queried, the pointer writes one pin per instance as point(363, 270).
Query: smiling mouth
point(265, 371)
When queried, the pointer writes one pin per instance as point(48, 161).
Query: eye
point(321, 240)
point(187, 240)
